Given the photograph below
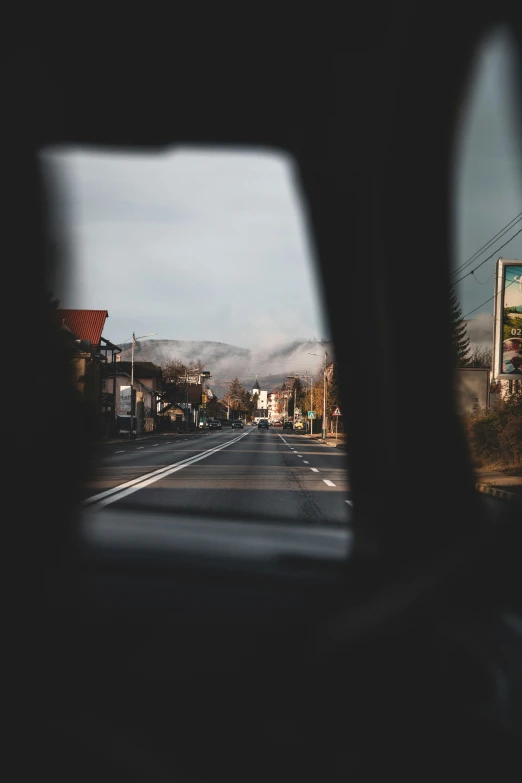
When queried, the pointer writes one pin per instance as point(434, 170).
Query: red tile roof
point(84, 324)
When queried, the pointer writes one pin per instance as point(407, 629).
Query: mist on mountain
point(225, 362)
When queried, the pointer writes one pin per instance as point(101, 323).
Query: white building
point(262, 400)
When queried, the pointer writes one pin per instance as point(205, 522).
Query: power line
point(487, 300)
point(454, 283)
point(500, 233)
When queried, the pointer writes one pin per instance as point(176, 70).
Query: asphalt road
point(271, 474)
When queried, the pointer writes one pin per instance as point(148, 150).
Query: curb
point(501, 494)
point(146, 436)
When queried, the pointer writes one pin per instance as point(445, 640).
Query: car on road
point(236, 424)
point(288, 425)
point(214, 424)
point(263, 424)
point(277, 423)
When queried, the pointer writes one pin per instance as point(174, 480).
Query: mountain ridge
point(226, 362)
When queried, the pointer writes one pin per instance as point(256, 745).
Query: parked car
point(287, 425)
point(263, 424)
point(236, 424)
point(298, 425)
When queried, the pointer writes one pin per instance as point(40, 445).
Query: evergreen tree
point(460, 347)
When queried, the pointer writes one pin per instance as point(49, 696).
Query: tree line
point(494, 435)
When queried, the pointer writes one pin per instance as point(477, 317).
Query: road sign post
point(336, 413)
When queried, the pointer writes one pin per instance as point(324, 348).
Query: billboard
point(125, 399)
point(507, 342)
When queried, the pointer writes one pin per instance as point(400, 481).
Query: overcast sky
point(191, 244)
point(488, 183)
point(211, 244)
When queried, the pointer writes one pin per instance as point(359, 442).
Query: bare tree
point(481, 356)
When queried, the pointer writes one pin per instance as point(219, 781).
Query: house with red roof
point(103, 382)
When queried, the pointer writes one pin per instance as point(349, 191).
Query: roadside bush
point(510, 442)
point(495, 437)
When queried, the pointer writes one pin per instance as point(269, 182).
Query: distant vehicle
point(288, 425)
point(214, 424)
point(278, 423)
point(298, 425)
point(237, 424)
point(263, 424)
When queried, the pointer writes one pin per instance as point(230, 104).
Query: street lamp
point(324, 391)
point(201, 374)
point(292, 378)
point(134, 338)
point(311, 384)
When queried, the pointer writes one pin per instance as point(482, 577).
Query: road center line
point(121, 491)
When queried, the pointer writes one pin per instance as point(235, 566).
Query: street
point(250, 473)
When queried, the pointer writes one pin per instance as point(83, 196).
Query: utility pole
point(324, 390)
point(324, 397)
point(311, 384)
point(132, 385)
point(311, 402)
point(134, 338)
point(186, 400)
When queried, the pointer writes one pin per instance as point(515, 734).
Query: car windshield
point(176, 352)
point(150, 239)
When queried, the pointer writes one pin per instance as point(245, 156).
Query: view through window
point(486, 292)
point(202, 346)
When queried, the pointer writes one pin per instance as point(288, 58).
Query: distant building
point(262, 401)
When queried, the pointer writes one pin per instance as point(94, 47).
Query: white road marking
point(315, 470)
point(140, 447)
point(330, 483)
point(122, 490)
point(350, 502)
point(305, 462)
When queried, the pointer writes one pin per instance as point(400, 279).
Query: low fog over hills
point(271, 366)
point(226, 362)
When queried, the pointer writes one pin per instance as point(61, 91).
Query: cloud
point(192, 244)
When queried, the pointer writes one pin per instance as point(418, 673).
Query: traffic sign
point(311, 414)
point(336, 412)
